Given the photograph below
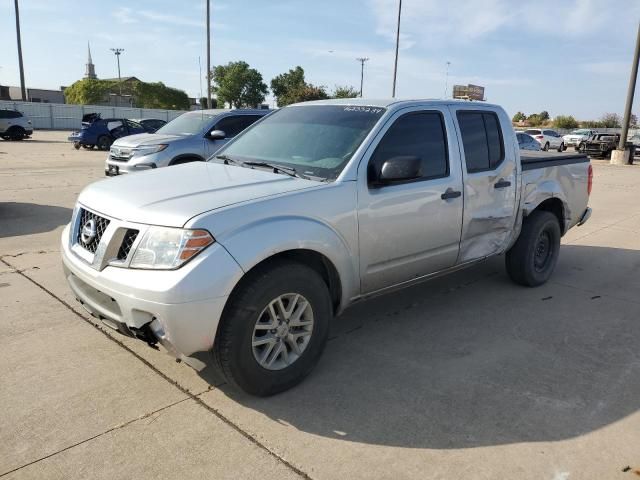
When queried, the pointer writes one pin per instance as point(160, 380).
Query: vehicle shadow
point(472, 360)
point(18, 218)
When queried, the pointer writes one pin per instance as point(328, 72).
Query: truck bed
point(531, 160)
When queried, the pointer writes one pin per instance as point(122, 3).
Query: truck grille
point(118, 154)
point(127, 243)
point(91, 229)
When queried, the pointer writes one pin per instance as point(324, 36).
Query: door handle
point(502, 184)
point(450, 193)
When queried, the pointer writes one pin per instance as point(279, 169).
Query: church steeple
point(90, 71)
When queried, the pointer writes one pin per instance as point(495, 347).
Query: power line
point(362, 60)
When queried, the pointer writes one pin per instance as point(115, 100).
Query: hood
point(145, 139)
point(171, 196)
point(574, 135)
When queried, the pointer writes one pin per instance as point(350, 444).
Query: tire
point(234, 351)
point(76, 145)
point(561, 148)
point(104, 143)
point(532, 259)
point(546, 147)
point(88, 147)
point(6, 137)
point(17, 133)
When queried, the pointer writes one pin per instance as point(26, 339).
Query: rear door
point(490, 173)
point(410, 229)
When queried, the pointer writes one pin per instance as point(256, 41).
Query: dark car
point(600, 145)
point(150, 125)
point(102, 132)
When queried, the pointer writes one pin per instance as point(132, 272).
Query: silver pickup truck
point(250, 256)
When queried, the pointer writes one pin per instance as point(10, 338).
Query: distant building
point(38, 95)
point(90, 70)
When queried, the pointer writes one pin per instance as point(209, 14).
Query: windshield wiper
point(228, 160)
point(277, 169)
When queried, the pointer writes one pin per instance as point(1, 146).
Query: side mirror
point(217, 135)
point(399, 169)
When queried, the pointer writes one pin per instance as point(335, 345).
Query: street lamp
point(117, 52)
point(395, 65)
point(23, 89)
point(446, 80)
point(362, 60)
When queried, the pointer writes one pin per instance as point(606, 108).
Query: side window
point(4, 114)
point(234, 124)
point(482, 140)
point(419, 134)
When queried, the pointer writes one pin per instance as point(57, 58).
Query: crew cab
point(248, 257)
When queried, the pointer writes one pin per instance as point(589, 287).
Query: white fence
point(56, 116)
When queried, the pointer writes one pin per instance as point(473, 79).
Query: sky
point(569, 57)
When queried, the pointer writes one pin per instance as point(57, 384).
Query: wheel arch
point(555, 206)
point(184, 156)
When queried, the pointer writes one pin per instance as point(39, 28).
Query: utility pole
point(395, 65)
point(117, 52)
point(22, 86)
point(208, 54)
point(362, 60)
point(446, 80)
point(632, 88)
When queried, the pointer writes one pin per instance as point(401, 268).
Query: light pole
point(362, 60)
point(446, 80)
point(208, 55)
point(395, 65)
point(21, 66)
point(632, 88)
point(117, 52)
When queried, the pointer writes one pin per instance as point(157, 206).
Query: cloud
point(126, 15)
point(606, 67)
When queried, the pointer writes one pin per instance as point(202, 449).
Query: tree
point(534, 119)
point(519, 117)
point(291, 87)
point(544, 115)
point(610, 120)
point(345, 92)
point(88, 91)
point(204, 103)
point(238, 85)
point(590, 124)
point(565, 121)
point(146, 95)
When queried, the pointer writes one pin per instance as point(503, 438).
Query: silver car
point(527, 142)
point(192, 137)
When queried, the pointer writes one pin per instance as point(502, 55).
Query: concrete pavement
point(466, 376)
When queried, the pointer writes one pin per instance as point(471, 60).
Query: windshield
point(316, 140)
point(186, 124)
point(580, 132)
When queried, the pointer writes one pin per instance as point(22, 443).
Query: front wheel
point(274, 328)
point(76, 145)
point(546, 147)
point(561, 148)
point(532, 259)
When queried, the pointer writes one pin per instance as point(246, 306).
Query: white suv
point(14, 125)
point(547, 139)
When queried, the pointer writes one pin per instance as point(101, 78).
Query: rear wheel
point(104, 143)
point(274, 328)
point(546, 147)
point(533, 257)
point(17, 133)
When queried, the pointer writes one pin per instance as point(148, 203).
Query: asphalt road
point(469, 376)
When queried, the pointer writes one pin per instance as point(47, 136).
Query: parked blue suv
point(102, 133)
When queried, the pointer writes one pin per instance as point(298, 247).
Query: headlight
point(147, 150)
point(164, 248)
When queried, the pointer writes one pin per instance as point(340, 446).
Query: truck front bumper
point(157, 306)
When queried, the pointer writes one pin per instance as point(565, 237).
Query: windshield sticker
point(363, 109)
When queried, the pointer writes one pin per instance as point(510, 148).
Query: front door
point(490, 182)
point(410, 229)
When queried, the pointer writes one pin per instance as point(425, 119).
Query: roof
point(389, 102)
point(216, 111)
point(124, 79)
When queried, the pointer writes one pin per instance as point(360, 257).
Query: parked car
point(250, 255)
point(14, 125)
point(576, 137)
point(527, 142)
point(635, 140)
point(601, 145)
point(102, 133)
point(150, 125)
point(547, 139)
point(193, 136)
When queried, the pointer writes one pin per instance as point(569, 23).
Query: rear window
point(481, 139)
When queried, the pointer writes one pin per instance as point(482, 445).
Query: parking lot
point(468, 376)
